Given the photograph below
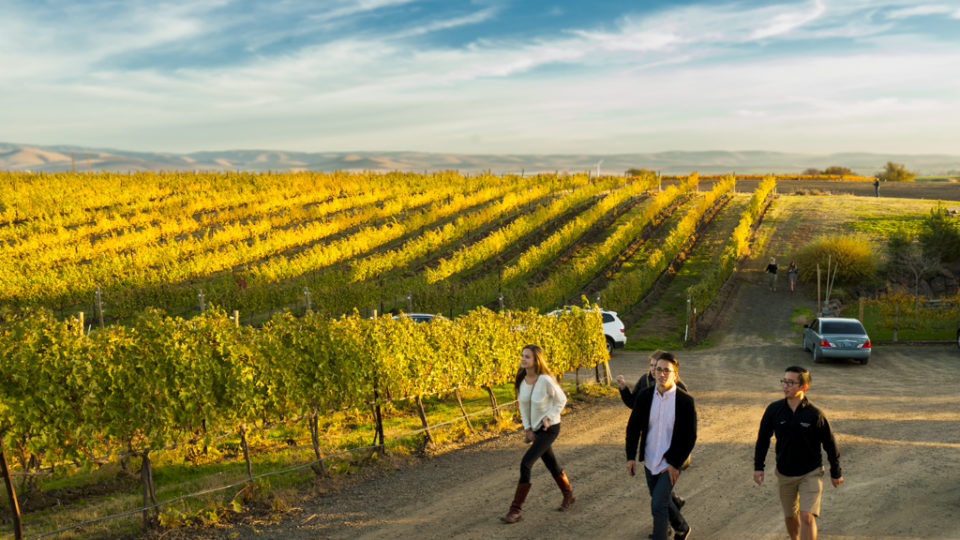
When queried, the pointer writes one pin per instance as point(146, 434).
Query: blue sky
point(482, 76)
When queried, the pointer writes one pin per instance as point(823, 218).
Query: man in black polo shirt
point(801, 430)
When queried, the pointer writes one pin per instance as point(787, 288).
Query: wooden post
point(896, 321)
point(819, 306)
point(862, 301)
point(236, 318)
point(606, 369)
point(100, 307)
point(202, 306)
point(80, 320)
point(693, 325)
point(306, 300)
point(11, 494)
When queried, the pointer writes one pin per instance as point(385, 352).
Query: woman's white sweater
point(542, 399)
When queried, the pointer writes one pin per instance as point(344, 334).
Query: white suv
point(613, 328)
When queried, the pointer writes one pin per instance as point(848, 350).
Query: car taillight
point(825, 343)
point(622, 331)
point(866, 345)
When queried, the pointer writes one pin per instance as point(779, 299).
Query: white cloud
point(919, 11)
point(695, 77)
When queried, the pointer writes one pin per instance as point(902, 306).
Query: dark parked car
point(836, 337)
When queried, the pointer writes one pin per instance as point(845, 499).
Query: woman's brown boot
point(513, 515)
point(567, 491)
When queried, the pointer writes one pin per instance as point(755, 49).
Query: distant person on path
point(792, 272)
point(801, 429)
point(540, 400)
point(650, 379)
point(772, 270)
point(663, 427)
point(876, 186)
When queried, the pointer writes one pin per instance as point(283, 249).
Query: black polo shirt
point(800, 434)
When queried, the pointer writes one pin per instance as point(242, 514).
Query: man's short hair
point(804, 374)
point(669, 357)
point(655, 355)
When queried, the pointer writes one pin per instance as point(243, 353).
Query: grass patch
point(884, 226)
point(911, 328)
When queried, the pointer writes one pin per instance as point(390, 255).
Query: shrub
point(940, 235)
point(853, 252)
point(895, 172)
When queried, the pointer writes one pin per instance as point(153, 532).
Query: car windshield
point(842, 327)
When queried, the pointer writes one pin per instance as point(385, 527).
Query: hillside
point(23, 157)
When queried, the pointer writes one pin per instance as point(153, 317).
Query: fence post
point(896, 321)
point(862, 301)
point(80, 319)
point(100, 307)
point(306, 300)
point(200, 297)
point(236, 318)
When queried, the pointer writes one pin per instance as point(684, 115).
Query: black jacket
point(684, 427)
point(646, 381)
point(800, 434)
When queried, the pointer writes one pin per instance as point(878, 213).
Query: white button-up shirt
point(663, 414)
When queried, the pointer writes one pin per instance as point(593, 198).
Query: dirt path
point(896, 421)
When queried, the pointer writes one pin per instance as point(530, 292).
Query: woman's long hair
point(539, 365)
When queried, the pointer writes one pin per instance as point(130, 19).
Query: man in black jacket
point(663, 426)
point(801, 430)
point(650, 379)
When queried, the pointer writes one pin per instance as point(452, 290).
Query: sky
point(482, 76)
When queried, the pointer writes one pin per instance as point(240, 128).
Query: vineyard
point(215, 303)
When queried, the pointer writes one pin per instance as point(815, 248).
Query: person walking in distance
point(876, 187)
point(792, 272)
point(801, 429)
point(663, 427)
point(772, 270)
point(540, 400)
point(650, 379)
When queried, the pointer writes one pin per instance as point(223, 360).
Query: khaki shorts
point(801, 492)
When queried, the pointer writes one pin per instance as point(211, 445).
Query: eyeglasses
point(663, 370)
point(788, 382)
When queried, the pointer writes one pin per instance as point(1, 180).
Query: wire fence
point(288, 470)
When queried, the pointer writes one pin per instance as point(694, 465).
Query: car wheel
point(805, 343)
point(609, 345)
point(863, 361)
point(817, 357)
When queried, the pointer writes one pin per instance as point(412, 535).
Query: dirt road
point(896, 421)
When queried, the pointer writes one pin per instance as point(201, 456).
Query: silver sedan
point(836, 337)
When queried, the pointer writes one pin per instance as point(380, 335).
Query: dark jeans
point(541, 449)
point(662, 506)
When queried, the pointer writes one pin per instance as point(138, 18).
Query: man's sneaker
point(678, 535)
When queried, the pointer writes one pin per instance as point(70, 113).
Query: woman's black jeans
point(541, 449)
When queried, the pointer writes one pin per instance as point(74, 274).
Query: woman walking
point(792, 271)
point(540, 400)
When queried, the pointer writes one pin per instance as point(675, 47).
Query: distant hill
point(21, 157)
